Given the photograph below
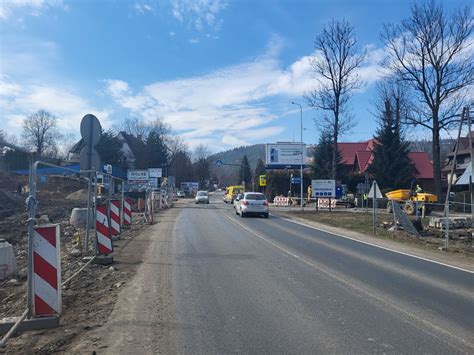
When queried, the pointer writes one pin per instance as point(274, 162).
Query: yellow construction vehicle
point(409, 199)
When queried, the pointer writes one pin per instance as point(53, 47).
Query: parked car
point(252, 203)
point(181, 194)
point(202, 197)
point(238, 198)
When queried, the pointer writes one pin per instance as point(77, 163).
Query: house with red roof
point(357, 157)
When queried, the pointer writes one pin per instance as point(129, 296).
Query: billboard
point(323, 188)
point(155, 172)
point(137, 176)
point(281, 155)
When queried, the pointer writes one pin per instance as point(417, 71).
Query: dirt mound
point(79, 195)
point(10, 204)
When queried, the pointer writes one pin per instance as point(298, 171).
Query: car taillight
point(265, 203)
point(245, 203)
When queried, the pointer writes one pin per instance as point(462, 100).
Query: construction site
point(85, 290)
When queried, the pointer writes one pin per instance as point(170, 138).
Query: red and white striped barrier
point(114, 217)
point(324, 203)
point(127, 212)
point(281, 201)
point(46, 271)
point(104, 239)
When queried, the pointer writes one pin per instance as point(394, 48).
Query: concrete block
point(103, 260)
point(79, 218)
point(29, 324)
point(7, 260)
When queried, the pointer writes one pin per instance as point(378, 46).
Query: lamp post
point(302, 153)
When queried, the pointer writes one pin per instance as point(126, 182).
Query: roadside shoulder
point(454, 260)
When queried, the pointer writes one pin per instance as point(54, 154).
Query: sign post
point(91, 131)
point(374, 194)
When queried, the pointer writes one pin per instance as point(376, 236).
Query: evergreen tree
point(391, 166)
point(322, 157)
point(259, 170)
point(156, 150)
point(109, 148)
point(245, 173)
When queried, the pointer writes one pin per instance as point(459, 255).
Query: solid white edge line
point(372, 244)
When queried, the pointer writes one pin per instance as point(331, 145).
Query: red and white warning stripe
point(127, 212)
point(115, 217)
point(46, 271)
point(104, 240)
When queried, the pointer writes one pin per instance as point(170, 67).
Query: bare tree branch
point(335, 69)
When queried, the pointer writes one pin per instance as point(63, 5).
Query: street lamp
point(302, 155)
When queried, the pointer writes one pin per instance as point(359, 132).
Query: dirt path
point(142, 320)
point(89, 300)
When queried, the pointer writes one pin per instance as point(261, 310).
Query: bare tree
point(201, 165)
point(429, 52)
point(141, 128)
point(335, 68)
point(39, 132)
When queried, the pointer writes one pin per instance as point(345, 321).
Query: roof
point(423, 165)
point(463, 146)
point(76, 148)
point(117, 171)
point(363, 160)
point(133, 142)
point(348, 151)
point(360, 156)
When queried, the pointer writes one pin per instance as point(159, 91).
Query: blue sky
point(221, 73)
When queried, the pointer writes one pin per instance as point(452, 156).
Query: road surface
point(256, 285)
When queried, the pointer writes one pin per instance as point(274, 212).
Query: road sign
point(137, 176)
point(375, 191)
point(219, 162)
point(323, 188)
point(296, 180)
point(155, 172)
point(89, 159)
point(91, 129)
point(263, 180)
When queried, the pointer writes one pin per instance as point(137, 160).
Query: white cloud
point(10, 8)
point(194, 40)
point(228, 102)
point(198, 14)
point(67, 106)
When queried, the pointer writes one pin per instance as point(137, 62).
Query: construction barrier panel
point(114, 207)
point(281, 201)
point(127, 212)
point(104, 239)
point(324, 202)
point(46, 279)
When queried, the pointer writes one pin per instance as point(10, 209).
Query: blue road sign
point(296, 180)
point(219, 162)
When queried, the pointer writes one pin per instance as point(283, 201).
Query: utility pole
point(469, 123)
point(302, 153)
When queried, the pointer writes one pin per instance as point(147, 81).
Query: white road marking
point(374, 245)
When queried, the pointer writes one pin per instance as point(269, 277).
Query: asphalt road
point(259, 285)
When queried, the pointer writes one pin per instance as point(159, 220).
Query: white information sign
point(285, 154)
point(155, 172)
point(323, 188)
point(137, 176)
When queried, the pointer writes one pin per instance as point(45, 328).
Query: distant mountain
point(229, 175)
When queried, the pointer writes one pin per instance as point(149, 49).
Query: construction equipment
point(409, 199)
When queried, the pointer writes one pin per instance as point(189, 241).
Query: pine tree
point(245, 173)
point(322, 157)
point(391, 166)
point(259, 170)
point(109, 148)
point(156, 151)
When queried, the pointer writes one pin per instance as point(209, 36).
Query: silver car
point(252, 203)
point(202, 197)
